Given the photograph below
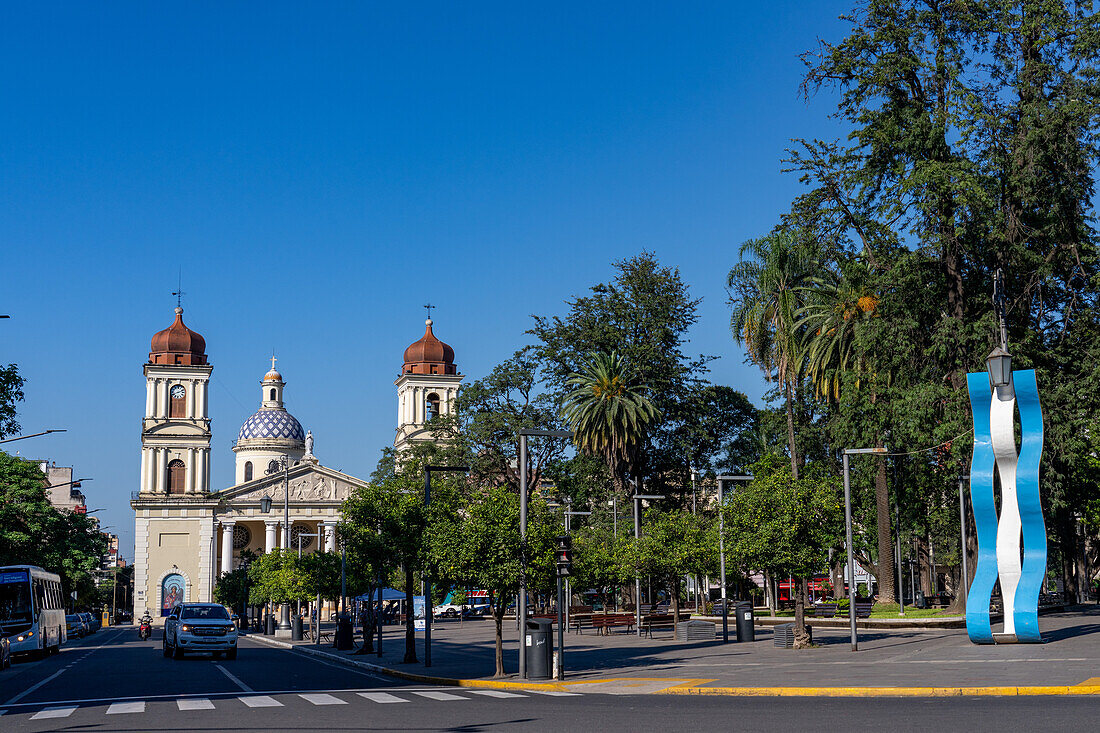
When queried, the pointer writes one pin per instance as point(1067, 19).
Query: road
point(112, 681)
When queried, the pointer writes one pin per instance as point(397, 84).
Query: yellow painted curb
point(884, 691)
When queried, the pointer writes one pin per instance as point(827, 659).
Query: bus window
point(15, 601)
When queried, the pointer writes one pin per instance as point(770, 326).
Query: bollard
point(296, 628)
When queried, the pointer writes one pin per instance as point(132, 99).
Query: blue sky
point(320, 171)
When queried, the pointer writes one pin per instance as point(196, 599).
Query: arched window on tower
point(248, 470)
point(177, 476)
point(432, 405)
point(272, 397)
point(177, 402)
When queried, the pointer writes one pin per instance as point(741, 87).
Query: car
point(200, 627)
point(75, 627)
point(5, 650)
point(90, 621)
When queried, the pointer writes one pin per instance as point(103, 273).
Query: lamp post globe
point(999, 364)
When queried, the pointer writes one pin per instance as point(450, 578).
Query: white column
point(150, 398)
point(142, 482)
point(205, 401)
point(330, 537)
point(158, 469)
point(192, 400)
point(162, 389)
point(227, 546)
point(200, 399)
point(189, 484)
point(269, 535)
point(204, 469)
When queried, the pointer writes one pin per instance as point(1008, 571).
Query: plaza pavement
point(889, 661)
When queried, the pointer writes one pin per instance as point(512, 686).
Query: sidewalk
point(887, 658)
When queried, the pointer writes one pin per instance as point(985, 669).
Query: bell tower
point(175, 432)
point(427, 387)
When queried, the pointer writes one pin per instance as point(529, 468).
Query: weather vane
point(429, 306)
point(179, 290)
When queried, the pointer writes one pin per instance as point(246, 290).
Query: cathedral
point(187, 533)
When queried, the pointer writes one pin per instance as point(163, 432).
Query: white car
point(200, 627)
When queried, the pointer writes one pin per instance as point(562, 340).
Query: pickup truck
point(200, 627)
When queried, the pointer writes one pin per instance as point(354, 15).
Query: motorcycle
point(145, 630)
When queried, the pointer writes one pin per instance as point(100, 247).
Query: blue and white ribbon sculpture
point(1021, 520)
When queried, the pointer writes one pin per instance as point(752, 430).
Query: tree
point(479, 546)
point(277, 577)
point(33, 531)
point(231, 589)
point(784, 526)
point(11, 391)
point(766, 290)
point(609, 411)
point(675, 544)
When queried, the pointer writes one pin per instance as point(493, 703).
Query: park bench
point(825, 610)
point(578, 622)
point(658, 621)
point(604, 623)
point(863, 609)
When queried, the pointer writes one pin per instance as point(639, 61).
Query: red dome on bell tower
point(429, 355)
point(178, 344)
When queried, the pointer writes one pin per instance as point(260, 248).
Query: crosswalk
point(331, 697)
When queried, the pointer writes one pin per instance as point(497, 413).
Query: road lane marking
point(383, 697)
point(495, 693)
point(34, 687)
point(58, 712)
point(323, 699)
point(120, 708)
point(200, 703)
point(553, 693)
point(227, 673)
point(261, 701)
point(432, 695)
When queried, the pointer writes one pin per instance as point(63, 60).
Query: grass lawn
point(880, 610)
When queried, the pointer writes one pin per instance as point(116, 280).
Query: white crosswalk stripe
point(118, 708)
point(57, 712)
point(260, 701)
point(323, 699)
point(432, 695)
point(198, 703)
point(383, 697)
point(495, 693)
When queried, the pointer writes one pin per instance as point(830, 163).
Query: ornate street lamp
point(265, 504)
point(999, 361)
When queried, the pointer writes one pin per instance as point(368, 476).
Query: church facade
point(188, 534)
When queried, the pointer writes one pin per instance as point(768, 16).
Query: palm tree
point(608, 411)
point(767, 288)
point(829, 321)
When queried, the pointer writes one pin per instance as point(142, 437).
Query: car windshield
point(71, 618)
point(207, 612)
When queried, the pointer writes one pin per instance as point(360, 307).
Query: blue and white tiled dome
point(272, 424)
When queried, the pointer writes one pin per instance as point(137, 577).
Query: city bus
point(32, 610)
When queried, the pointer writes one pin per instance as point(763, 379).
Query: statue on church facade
point(309, 444)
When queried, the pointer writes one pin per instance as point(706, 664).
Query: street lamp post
point(722, 548)
point(265, 507)
point(32, 435)
point(852, 588)
point(427, 578)
point(569, 514)
point(962, 534)
point(637, 535)
point(521, 602)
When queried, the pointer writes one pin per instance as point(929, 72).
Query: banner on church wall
point(173, 591)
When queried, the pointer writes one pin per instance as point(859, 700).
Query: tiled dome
point(278, 424)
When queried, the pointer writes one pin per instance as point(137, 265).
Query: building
point(187, 533)
point(61, 490)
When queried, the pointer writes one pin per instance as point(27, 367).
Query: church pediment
point(308, 483)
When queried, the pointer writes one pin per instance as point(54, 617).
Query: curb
point(692, 687)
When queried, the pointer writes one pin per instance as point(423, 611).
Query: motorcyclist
point(145, 626)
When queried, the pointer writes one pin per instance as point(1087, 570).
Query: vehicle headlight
point(185, 627)
point(230, 627)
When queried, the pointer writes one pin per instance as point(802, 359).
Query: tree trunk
point(885, 571)
point(924, 566)
point(676, 600)
point(369, 625)
point(838, 579)
point(410, 631)
point(790, 430)
point(498, 618)
point(801, 638)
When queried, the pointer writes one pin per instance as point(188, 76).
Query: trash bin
point(746, 631)
point(269, 625)
point(296, 628)
point(345, 634)
point(539, 648)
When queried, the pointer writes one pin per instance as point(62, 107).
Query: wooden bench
point(825, 610)
point(605, 622)
point(863, 609)
point(658, 621)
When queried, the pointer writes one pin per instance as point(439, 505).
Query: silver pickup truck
point(200, 627)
